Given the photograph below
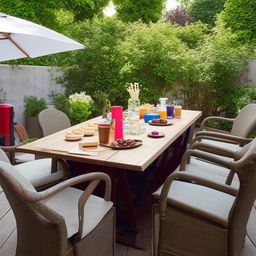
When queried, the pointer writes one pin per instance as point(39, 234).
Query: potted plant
point(32, 107)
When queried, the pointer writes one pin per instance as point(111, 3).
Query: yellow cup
point(177, 111)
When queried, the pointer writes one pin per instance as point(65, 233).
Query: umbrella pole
point(8, 37)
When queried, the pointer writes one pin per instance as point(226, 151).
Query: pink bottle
point(117, 115)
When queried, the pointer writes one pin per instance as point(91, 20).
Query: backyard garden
point(195, 54)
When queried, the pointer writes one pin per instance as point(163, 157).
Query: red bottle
point(117, 115)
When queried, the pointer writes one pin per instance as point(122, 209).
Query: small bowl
point(150, 116)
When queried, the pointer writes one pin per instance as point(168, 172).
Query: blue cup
point(150, 116)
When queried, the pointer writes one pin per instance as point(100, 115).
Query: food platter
point(161, 124)
point(135, 145)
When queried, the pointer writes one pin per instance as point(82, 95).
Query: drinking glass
point(170, 111)
point(103, 132)
point(177, 111)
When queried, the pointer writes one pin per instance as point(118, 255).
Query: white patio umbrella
point(20, 38)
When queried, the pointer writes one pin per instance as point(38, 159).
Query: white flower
point(80, 97)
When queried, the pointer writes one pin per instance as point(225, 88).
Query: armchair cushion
point(38, 172)
point(65, 203)
point(200, 200)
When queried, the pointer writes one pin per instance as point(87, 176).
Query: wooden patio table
point(118, 162)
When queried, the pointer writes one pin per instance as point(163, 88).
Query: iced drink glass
point(103, 132)
point(177, 111)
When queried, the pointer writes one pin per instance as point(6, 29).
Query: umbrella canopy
point(21, 38)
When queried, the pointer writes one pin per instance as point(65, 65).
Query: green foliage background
point(240, 16)
point(197, 64)
point(206, 10)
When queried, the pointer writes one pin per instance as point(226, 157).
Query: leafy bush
point(61, 102)
point(192, 35)
point(33, 106)
point(96, 69)
point(206, 10)
point(154, 57)
point(248, 95)
point(211, 83)
point(240, 17)
point(80, 107)
point(195, 64)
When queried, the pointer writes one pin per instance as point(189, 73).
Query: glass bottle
point(133, 115)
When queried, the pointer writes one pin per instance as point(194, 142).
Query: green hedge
point(192, 63)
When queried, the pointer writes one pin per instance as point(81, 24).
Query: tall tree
point(48, 12)
point(240, 16)
point(206, 10)
point(134, 10)
point(85, 9)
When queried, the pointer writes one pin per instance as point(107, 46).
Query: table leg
point(120, 183)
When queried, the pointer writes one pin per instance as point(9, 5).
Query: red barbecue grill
point(6, 125)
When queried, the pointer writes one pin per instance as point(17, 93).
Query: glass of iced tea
point(177, 111)
point(103, 132)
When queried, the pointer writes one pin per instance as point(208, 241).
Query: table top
point(137, 159)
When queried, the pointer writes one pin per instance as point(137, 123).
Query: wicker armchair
point(243, 125)
point(61, 221)
point(201, 217)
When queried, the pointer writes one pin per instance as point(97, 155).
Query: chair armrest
point(190, 178)
point(81, 204)
point(205, 156)
point(229, 138)
point(216, 118)
point(38, 196)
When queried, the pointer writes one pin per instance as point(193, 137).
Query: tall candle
point(117, 115)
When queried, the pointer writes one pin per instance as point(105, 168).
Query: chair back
point(245, 121)
point(53, 120)
point(245, 168)
point(40, 230)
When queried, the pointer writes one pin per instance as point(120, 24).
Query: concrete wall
point(20, 81)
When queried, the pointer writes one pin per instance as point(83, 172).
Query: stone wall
point(20, 81)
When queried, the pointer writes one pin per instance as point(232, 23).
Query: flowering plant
point(80, 107)
point(80, 97)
